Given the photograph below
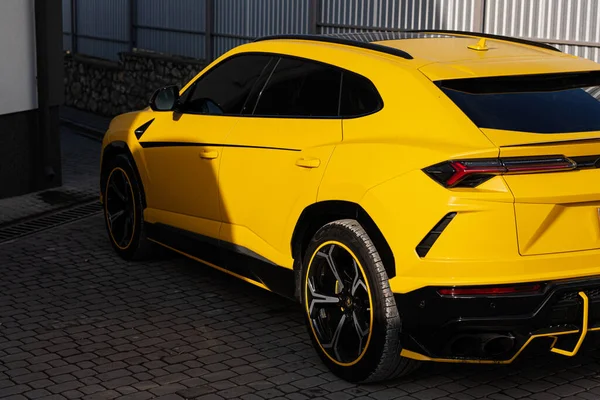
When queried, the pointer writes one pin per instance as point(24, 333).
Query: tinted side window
point(301, 88)
point(225, 88)
point(359, 96)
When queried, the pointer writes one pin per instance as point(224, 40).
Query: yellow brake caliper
point(584, 329)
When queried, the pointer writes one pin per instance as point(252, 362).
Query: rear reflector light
point(491, 291)
point(470, 173)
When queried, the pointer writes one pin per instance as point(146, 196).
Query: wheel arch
point(112, 150)
point(319, 214)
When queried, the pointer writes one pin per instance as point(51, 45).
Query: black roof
point(365, 39)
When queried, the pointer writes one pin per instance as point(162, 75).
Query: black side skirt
point(234, 258)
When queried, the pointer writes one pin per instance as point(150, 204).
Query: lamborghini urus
point(425, 196)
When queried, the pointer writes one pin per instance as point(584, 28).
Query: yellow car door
point(183, 148)
point(273, 162)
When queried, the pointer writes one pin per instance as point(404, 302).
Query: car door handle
point(308, 162)
point(209, 155)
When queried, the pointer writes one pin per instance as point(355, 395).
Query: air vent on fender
point(433, 235)
point(140, 131)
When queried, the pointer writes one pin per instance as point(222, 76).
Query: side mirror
point(165, 99)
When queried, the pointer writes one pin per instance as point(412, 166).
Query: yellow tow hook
point(584, 329)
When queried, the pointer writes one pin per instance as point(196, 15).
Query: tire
point(354, 325)
point(122, 191)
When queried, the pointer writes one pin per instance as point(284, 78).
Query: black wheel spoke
point(329, 257)
point(338, 303)
point(120, 208)
point(112, 218)
point(113, 187)
point(125, 231)
point(320, 301)
point(333, 345)
point(360, 332)
point(358, 282)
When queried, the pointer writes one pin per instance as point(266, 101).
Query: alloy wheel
point(120, 208)
point(338, 303)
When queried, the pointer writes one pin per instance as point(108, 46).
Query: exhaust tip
point(464, 345)
point(498, 345)
point(483, 345)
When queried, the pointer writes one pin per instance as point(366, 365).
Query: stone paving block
point(586, 384)
point(586, 396)
point(565, 390)
point(211, 396)
point(388, 393)
point(103, 395)
point(138, 396)
point(430, 394)
point(300, 396)
point(72, 394)
point(339, 396)
point(64, 387)
point(516, 393)
point(37, 394)
point(544, 396)
point(14, 390)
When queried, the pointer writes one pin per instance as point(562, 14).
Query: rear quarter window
point(359, 96)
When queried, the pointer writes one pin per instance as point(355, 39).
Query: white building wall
point(18, 90)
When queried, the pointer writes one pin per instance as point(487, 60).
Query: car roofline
point(490, 36)
point(397, 52)
point(346, 42)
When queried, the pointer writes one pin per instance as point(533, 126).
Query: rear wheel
point(123, 210)
point(351, 313)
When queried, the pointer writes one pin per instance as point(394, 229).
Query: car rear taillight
point(491, 291)
point(471, 173)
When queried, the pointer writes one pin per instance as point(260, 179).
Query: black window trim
point(267, 70)
point(262, 89)
point(192, 87)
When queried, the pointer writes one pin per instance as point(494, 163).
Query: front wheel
point(123, 210)
point(351, 313)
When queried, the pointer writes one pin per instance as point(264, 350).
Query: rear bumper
point(460, 329)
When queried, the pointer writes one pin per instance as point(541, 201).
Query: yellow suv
point(426, 196)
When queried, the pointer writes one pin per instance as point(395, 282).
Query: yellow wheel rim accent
point(106, 213)
point(306, 303)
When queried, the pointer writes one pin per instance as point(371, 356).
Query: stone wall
point(109, 88)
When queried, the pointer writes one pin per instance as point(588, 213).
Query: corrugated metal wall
point(553, 20)
point(173, 26)
point(104, 27)
point(237, 21)
point(400, 14)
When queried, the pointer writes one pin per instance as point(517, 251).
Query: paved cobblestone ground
point(78, 322)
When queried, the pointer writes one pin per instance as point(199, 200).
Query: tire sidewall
point(122, 162)
point(361, 370)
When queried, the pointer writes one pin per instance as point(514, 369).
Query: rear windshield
point(548, 103)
